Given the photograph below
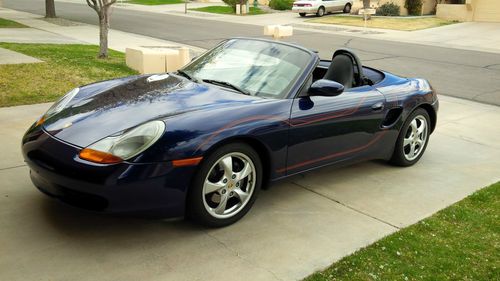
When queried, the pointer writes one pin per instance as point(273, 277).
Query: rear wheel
point(226, 186)
point(413, 138)
point(347, 8)
point(302, 14)
point(321, 11)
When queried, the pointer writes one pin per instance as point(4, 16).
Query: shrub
point(232, 3)
point(388, 9)
point(414, 7)
point(281, 4)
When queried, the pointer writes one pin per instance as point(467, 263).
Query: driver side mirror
point(324, 87)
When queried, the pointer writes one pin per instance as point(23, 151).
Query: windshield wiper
point(227, 84)
point(183, 73)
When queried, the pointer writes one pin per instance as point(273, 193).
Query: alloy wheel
point(415, 138)
point(229, 185)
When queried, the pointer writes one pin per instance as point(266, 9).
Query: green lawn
point(10, 24)
point(155, 2)
point(64, 67)
point(396, 23)
point(461, 242)
point(227, 10)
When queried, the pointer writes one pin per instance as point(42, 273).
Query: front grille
point(81, 199)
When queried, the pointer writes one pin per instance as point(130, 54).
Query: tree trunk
point(50, 9)
point(103, 33)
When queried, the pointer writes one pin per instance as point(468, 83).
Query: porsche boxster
point(202, 141)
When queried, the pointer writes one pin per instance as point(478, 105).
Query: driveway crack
point(13, 167)
point(347, 206)
point(237, 254)
point(346, 44)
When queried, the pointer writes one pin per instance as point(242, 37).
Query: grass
point(396, 23)
point(155, 2)
point(227, 10)
point(64, 67)
point(460, 242)
point(10, 24)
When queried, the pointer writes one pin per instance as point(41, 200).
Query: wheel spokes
point(412, 149)
point(407, 141)
point(222, 204)
point(213, 187)
point(414, 127)
point(421, 128)
point(227, 165)
point(240, 194)
point(244, 172)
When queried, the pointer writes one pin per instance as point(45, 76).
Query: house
point(469, 10)
point(428, 6)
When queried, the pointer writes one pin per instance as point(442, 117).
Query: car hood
point(107, 108)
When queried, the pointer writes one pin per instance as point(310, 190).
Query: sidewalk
point(42, 31)
point(484, 37)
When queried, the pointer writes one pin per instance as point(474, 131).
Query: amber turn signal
point(40, 121)
point(187, 162)
point(99, 156)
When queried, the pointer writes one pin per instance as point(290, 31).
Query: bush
point(232, 3)
point(281, 4)
point(388, 9)
point(414, 7)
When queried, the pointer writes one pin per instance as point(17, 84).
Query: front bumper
point(151, 188)
point(307, 10)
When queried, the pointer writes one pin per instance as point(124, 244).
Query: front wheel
point(413, 138)
point(347, 8)
point(226, 186)
point(302, 14)
point(321, 12)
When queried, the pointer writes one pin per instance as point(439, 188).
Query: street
point(460, 73)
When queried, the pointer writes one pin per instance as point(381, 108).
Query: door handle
point(378, 106)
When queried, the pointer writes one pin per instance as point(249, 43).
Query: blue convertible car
point(202, 141)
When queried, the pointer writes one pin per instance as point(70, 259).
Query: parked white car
point(321, 7)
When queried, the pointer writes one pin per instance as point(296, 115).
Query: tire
point(347, 8)
point(302, 14)
point(321, 11)
point(215, 180)
point(409, 137)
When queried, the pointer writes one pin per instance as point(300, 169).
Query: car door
point(326, 130)
point(329, 5)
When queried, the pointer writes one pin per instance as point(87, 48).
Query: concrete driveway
point(298, 226)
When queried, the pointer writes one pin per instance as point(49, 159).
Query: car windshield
point(255, 67)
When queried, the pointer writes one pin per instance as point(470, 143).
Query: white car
point(321, 7)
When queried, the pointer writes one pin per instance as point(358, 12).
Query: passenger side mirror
point(324, 87)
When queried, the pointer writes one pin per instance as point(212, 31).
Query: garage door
point(487, 10)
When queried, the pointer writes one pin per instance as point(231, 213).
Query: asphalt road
point(460, 73)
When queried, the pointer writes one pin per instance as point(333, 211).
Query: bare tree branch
point(92, 4)
point(111, 3)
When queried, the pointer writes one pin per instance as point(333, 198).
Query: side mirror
point(324, 87)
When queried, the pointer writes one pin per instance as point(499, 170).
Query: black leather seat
point(341, 70)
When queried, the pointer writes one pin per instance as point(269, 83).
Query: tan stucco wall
point(454, 12)
point(485, 10)
point(427, 7)
point(488, 11)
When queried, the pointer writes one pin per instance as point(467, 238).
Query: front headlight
point(115, 149)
